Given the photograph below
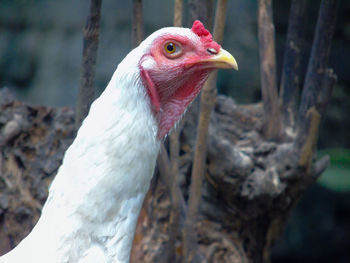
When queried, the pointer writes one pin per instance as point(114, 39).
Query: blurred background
point(40, 58)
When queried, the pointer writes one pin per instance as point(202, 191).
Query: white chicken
point(94, 201)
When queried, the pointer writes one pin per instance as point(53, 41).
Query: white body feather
point(95, 199)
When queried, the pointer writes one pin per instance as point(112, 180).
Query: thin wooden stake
point(266, 35)
point(90, 45)
point(137, 23)
point(178, 13)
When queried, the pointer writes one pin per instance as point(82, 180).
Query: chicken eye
point(170, 48)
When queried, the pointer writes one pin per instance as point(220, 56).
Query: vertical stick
point(291, 73)
point(318, 84)
point(208, 96)
point(210, 15)
point(320, 51)
point(90, 45)
point(178, 13)
point(266, 35)
point(137, 23)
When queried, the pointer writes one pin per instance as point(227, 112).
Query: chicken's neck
point(95, 199)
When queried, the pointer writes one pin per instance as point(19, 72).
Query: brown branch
point(220, 18)
point(266, 35)
point(208, 97)
point(137, 23)
point(318, 84)
point(318, 62)
point(291, 73)
point(178, 12)
point(90, 45)
point(308, 131)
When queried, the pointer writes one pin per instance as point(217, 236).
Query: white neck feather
point(95, 199)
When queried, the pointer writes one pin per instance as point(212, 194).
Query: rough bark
point(91, 32)
point(268, 74)
point(32, 143)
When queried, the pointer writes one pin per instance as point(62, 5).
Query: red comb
point(205, 36)
point(199, 29)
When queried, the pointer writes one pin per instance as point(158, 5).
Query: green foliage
point(337, 176)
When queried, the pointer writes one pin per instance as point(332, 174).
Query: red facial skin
point(176, 79)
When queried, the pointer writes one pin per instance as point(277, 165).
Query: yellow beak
point(222, 60)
